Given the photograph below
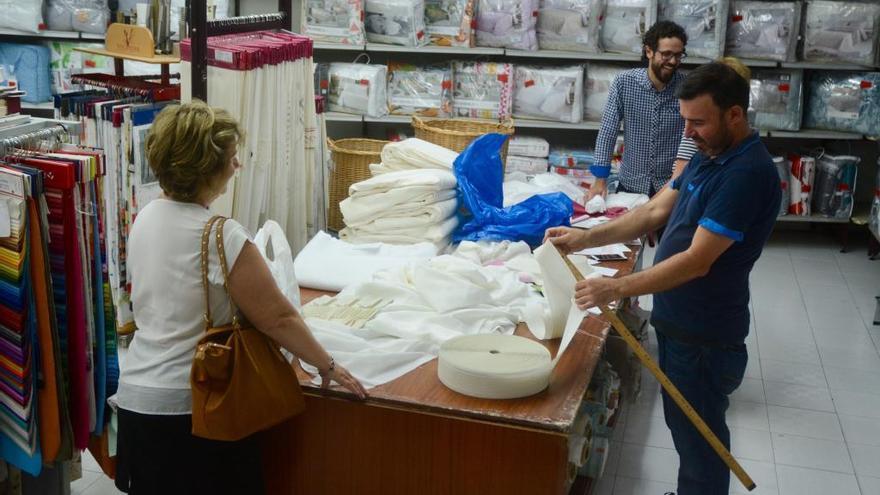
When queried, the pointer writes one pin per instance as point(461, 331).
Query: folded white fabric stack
point(402, 207)
point(413, 154)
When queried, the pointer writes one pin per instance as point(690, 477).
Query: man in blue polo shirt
point(718, 215)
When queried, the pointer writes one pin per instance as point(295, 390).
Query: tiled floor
point(806, 420)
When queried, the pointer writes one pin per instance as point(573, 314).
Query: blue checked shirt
point(652, 129)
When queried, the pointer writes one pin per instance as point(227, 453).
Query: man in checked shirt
point(644, 99)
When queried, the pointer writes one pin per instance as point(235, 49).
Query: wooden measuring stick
point(670, 388)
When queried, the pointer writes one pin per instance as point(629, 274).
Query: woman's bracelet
point(330, 367)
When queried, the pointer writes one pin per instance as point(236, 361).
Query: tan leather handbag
point(241, 382)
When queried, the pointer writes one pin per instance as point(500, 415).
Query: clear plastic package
point(395, 22)
point(530, 146)
point(800, 184)
point(704, 21)
point(483, 90)
point(763, 30)
point(625, 23)
point(833, 185)
point(549, 93)
point(420, 90)
point(597, 83)
point(776, 99)
point(450, 22)
point(783, 167)
point(844, 101)
point(87, 16)
point(21, 15)
point(571, 25)
point(334, 21)
point(874, 221)
point(508, 24)
point(357, 89)
point(526, 164)
point(841, 32)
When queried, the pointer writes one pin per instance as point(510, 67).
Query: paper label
point(844, 103)
point(404, 101)
point(5, 223)
point(477, 104)
point(223, 56)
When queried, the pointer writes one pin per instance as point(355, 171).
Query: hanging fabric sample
point(704, 21)
point(420, 90)
point(358, 89)
point(334, 21)
point(834, 185)
point(844, 101)
point(549, 93)
point(803, 171)
point(272, 72)
point(449, 22)
point(841, 32)
point(776, 99)
point(483, 90)
point(395, 22)
point(763, 30)
point(508, 24)
point(29, 64)
point(570, 25)
point(625, 24)
point(597, 84)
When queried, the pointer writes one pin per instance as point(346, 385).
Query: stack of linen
point(413, 154)
point(402, 207)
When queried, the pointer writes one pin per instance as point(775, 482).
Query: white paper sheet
point(604, 250)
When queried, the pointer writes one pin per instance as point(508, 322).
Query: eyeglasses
point(667, 56)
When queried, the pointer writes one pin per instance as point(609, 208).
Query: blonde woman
point(191, 148)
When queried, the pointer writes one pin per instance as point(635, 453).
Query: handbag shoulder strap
point(206, 238)
point(224, 267)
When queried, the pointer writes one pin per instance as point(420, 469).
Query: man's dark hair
point(660, 30)
point(722, 83)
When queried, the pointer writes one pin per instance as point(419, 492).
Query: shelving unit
point(50, 35)
point(811, 219)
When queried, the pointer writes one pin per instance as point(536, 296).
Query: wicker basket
point(456, 134)
point(351, 163)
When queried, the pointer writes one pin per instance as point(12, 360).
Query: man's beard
point(715, 148)
point(663, 75)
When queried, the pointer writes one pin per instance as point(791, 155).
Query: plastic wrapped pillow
point(420, 90)
point(508, 24)
point(704, 21)
point(91, 16)
point(483, 90)
point(844, 101)
point(763, 30)
point(21, 15)
point(334, 21)
point(549, 93)
point(571, 25)
point(625, 23)
point(449, 22)
point(597, 83)
point(841, 32)
point(395, 22)
point(783, 168)
point(776, 99)
point(833, 185)
point(357, 89)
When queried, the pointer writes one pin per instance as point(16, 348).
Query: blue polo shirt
point(737, 195)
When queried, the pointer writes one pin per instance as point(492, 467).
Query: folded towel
point(404, 217)
point(439, 234)
point(431, 179)
point(364, 209)
point(412, 154)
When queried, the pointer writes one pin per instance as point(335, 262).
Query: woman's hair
point(188, 148)
point(735, 64)
point(720, 81)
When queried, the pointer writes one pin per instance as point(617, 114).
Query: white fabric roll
point(363, 210)
point(413, 153)
point(578, 450)
point(436, 180)
point(494, 366)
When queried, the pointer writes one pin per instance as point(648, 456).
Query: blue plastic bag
point(480, 176)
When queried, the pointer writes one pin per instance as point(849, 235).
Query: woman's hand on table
point(341, 376)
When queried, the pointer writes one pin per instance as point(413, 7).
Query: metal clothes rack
point(35, 130)
point(200, 29)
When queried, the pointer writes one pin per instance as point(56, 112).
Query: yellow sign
point(129, 39)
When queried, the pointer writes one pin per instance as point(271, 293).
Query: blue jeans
point(705, 375)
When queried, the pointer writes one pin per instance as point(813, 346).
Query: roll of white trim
point(494, 366)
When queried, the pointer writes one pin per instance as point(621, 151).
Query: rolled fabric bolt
point(494, 366)
point(576, 445)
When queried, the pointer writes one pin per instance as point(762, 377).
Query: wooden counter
point(415, 436)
